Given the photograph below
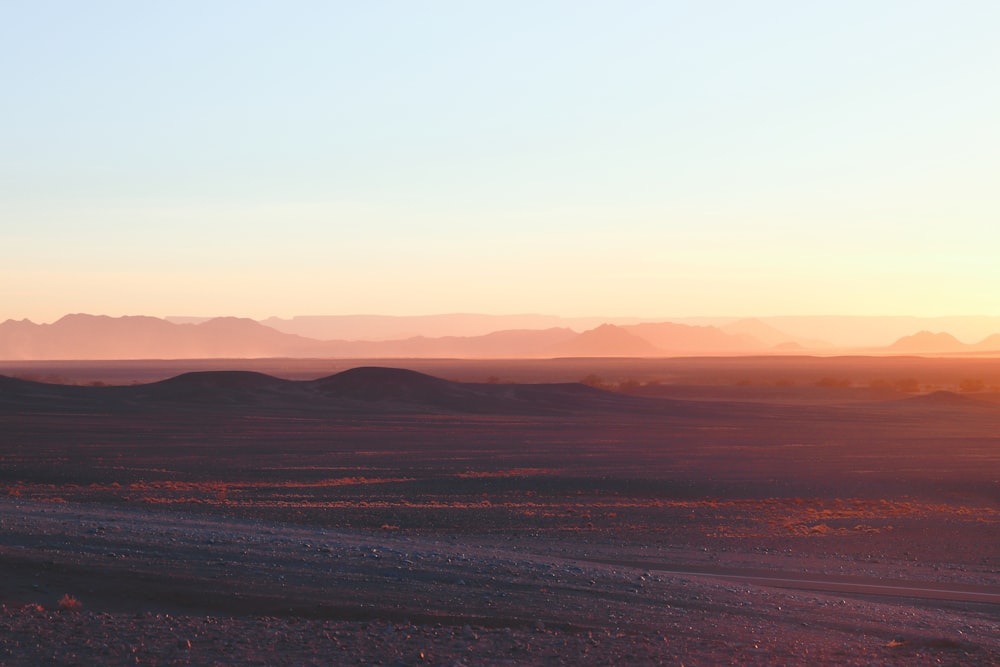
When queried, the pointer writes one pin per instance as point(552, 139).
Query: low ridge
point(376, 383)
point(208, 386)
point(368, 389)
point(945, 399)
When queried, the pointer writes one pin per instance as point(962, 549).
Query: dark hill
point(15, 388)
point(222, 381)
point(27, 395)
point(394, 388)
point(208, 387)
point(366, 390)
point(11, 385)
point(944, 399)
point(373, 383)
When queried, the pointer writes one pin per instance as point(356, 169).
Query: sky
point(573, 158)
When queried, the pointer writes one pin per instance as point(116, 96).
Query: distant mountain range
point(943, 343)
point(400, 327)
point(808, 332)
point(82, 336)
point(859, 331)
point(101, 337)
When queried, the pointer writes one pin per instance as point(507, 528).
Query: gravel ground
point(37, 637)
point(166, 588)
point(234, 519)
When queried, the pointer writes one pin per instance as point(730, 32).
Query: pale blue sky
point(653, 158)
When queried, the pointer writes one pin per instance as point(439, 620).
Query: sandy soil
point(262, 525)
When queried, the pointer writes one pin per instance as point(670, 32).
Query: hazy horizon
point(82, 335)
point(262, 160)
point(721, 318)
point(707, 318)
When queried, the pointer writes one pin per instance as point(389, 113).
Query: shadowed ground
point(386, 496)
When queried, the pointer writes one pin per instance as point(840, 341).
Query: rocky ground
point(384, 518)
point(166, 587)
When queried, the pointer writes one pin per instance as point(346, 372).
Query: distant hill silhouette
point(101, 337)
point(402, 327)
point(771, 336)
point(864, 331)
point(83, 336)
point(499, 344)
point(989, 344)
point(607, 340)
point(679, 339)
point(926, 341)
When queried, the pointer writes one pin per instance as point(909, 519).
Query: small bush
point(830, 382)
point(627, 386)
point(70, 603)
point(971, 386)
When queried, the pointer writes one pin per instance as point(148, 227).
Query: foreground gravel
point(37, 637)
point(168, 588)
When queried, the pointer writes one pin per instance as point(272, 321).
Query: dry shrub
point(629, 385)
point(906, 385)
point(70, 603)
point(972, 385)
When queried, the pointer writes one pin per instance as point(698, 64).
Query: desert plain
point(698, 511)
